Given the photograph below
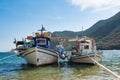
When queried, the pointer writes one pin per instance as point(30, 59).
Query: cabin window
point(42, 41)
point(86, 47)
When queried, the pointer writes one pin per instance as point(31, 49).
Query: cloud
point(96, 5)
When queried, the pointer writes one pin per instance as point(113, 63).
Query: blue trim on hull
point(48, 53)
point(28, 53)
point(41, 52)
point(82, 57)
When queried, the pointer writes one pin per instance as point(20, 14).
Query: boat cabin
point(84, 44)
point(38, 40)
point(42, 42)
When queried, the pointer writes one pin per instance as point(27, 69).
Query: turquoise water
point(16, 68)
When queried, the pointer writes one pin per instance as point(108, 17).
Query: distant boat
point(36, 49)
point(84, 51)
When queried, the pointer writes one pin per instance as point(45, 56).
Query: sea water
point(16, 68)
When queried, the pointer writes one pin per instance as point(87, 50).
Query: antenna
point(42, 29)
point(82, 31)
point(33, 34)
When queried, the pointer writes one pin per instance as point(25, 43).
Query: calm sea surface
point(16, 68)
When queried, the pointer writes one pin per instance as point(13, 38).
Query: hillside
point(66, 34)
point(105, 32)
point(104, 27)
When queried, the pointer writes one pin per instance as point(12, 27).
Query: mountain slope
point(105, 32)
point(104, 27)
point(66, 34)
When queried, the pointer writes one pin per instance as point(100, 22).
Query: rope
point(58, 61)
point(100, 65)
point(7, 57)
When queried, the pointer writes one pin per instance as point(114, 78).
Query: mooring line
point(7, 57)
point(58, 62)
point(100, 65)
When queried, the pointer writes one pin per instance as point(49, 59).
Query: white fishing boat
point(84, 51)
point(36, 49)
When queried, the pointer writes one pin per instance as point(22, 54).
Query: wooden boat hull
point(39, 56)
point(86, 58)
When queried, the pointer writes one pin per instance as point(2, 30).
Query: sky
point(20, 18)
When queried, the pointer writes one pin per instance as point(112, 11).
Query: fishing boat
point(84, 51)
point(36, 49)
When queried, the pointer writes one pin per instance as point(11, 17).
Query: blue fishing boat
point(36, 49)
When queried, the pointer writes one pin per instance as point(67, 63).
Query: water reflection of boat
point(36, 49)
point(84, 51)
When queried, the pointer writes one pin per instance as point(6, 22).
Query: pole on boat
point(100, 65)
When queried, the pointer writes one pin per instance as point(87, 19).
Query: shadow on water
point(16, 68)
point(65, 71)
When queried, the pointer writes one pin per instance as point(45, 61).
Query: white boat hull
point(86, 58)
point(39, 56)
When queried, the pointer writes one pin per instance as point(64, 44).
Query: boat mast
point(41, 30)
point(82, 31)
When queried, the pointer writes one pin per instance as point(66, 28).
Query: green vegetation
point(105, 32)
